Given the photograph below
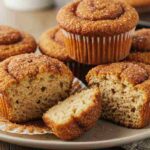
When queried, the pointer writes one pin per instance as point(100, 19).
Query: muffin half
point(125, 92)
point(75, 115)
point(30, 84)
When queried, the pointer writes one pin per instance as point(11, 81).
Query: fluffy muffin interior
point(73, 107)
point(121, 101)
point(78, 113)
point(33, 96)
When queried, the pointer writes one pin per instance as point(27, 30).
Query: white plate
point(104, 134)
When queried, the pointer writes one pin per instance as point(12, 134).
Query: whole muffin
point(140, 46)
point(30, 84)
point(51, 43)
point(14, 42)
point(97, 31)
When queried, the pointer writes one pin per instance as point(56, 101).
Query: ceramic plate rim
point(82, 145)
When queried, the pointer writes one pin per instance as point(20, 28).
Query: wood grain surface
point(35, 23)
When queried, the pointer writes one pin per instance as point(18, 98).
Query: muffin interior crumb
point(71, 107)
point(122, 102)
point(32, 97)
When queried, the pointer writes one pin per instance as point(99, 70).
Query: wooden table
point(35, 23)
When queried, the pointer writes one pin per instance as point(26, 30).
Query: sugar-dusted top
point(98, 17)
point(52, 44)
point(16, 68)
point(137, 74)
point(14, 42)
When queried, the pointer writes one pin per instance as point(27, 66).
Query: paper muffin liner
point(38, 126)
point(79, 70)
point(98, 49)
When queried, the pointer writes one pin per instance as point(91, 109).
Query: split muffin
point(14, 42)
point(97, 31)
point(30, 84)
point(125, 92)
point(51, 43)
point(140, 46)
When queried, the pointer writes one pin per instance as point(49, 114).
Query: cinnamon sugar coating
point(134, 73)
point(14, 42)
point(98, 17)
point(52, 44)
point(16, 68)
point(141, 40)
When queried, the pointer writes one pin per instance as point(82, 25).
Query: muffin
point(14, 42)
point(141, 40)
point(97, 32)
point(139, 3)
point(140, 46)
point(75, 115)
point(51, 43)
point(30, 84)
point(125, 92)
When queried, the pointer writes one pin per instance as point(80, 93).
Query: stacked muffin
point(140, 46)
point(94, 32)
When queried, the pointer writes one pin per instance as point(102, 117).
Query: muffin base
point(98, 50)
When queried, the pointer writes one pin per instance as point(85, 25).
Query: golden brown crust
point(137, 74)
point(143, 57)
point(76, 126)
point(92, 17)
point(51, 43)
point(14, 42)
point(141, 40)
point(15, 68)
point(139, 3)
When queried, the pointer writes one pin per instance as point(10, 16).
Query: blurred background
point(35, 16)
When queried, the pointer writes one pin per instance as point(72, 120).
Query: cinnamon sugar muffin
point(97, 31)
point(125, 89)
point(30, 84)
point(140, 46)
point(14, 42)
point(51, 43)
point(75, 115)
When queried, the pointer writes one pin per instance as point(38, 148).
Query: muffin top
point(141, 40)
point(16, 68)
point(137, 74)
point(98, 17)
point(14, 42)
point(52, 44)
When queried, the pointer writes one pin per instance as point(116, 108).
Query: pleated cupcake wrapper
point(34, 127)
point(96, 49)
